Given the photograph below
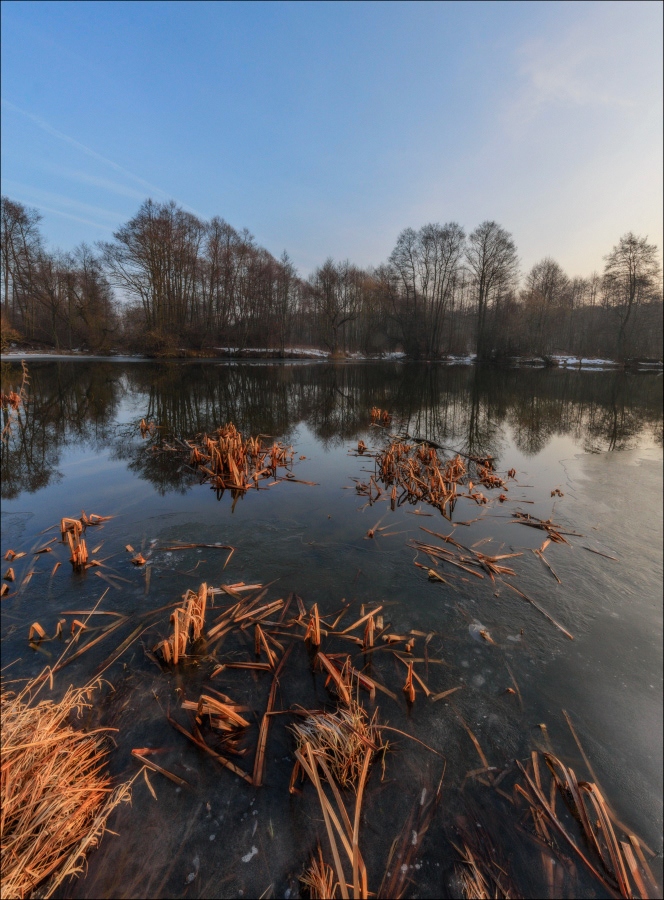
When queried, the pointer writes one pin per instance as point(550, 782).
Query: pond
point(586, 448)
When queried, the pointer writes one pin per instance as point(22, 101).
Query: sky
point(327, 128)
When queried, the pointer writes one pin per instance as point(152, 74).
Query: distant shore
point(587, 363)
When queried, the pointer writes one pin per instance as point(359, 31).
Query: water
point(595, 436)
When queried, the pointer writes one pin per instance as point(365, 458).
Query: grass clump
point(56, 792)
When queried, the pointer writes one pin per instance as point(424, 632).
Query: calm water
point(596, 436)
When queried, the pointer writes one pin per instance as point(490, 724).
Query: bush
point(8, 334)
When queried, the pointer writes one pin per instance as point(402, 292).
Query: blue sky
point(327, 128)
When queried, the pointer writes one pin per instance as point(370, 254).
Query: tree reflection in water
point(475, 410)
point(67, 405)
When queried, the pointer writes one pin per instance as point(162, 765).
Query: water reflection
point(68, 405)
point(97, 404)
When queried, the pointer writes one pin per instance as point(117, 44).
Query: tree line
point(169, 281)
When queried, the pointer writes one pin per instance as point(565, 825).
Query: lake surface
point(594, 436)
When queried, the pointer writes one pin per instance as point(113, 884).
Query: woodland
point(169, 284)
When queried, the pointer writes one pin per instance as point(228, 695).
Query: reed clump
point(341, 739)
point(56, 793)
point(188, 621)
point(380, 416)
point(12, 402)
point(583, 829)
point(227, 460)
point(423, 474)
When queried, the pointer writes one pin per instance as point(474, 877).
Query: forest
point(170, 284)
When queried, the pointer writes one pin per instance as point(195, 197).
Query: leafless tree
point(427, 266)
point(547, 296)
point(183, 282)
point(632, 276)
point(336, 289)
point(21, 246)
point(493, 263)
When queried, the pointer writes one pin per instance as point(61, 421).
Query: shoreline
point(227, 354)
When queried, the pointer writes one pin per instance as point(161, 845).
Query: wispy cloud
point(577, 67)
point(97, 181)
point(566, 73)
point(64, 206)
point(41, 123)
point(65, 215)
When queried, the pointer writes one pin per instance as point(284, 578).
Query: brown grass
point(188, 622)
point(228, 461)
point(318, 879)
point(12, 402)
point(56, 795)
point(341, 739)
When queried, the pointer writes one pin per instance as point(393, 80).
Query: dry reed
point(342, 739)
point(187, 624)
point(11, 403)
point(228, 461)
point(318, 878)
point(56, 795)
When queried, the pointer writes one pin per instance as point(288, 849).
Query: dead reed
point(338, 824)
point(421, 475)
point(187, 621)
point(589, 835)
point(56, 795)
point(11, 403)
point(380, 416)
point(480, 876)
point(318, 878)
point(342, 739)
point(228, 461)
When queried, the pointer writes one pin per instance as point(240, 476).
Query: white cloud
point(603, 57)
point(54, 132)
point(64, 215)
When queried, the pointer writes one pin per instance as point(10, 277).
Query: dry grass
point(341, 739)
point(481, 877)
point(227, 460)
point(56, 795)
point(338, 824)
point(606, 848)
point(318, 879)
point(422, 475)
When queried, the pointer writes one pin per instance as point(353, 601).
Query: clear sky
point(327, 128)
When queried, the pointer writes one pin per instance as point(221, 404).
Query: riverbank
point(586, 363)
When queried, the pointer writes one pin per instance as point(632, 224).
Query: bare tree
point(427, 266)
point(547, 296)
point(21, 246)
point(631, 277)
point(154, 259)
point(493, 263)
point(336, 289)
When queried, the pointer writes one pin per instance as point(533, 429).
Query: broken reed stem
point(188, 622)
